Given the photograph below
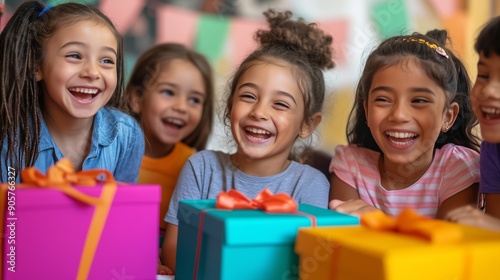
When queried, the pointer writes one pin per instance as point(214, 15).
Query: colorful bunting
point(122, 15)
point(390, 18)
point(176, 25)
point(241, 38)
point(212, 36)
point(338, 30)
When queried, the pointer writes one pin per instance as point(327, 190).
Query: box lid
point(49, 197)
point(250, 227)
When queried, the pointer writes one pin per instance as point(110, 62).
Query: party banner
point(390, 18)
point(212, 36)
point(176, 25)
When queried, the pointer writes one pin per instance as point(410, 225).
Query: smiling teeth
point(401, 135)
point(84, 90)
point(489, 110)
point(258, 131)
point(176, 122)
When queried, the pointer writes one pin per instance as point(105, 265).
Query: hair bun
point(297, 35)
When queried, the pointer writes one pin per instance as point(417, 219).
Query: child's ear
point(309, 127)
point(450, 116)
point(135, 101)
point(38, 74)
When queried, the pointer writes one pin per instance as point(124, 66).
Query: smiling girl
point(171, 94)
point(275, 97)
point(61, 74)
point(410, 133)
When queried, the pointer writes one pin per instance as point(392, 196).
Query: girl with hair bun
point(275, 97)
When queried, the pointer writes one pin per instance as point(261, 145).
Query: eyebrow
point(280, 92)
point(74, 43)
point(412, 89)
point(177, 86)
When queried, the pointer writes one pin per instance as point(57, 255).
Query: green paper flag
point(212, 36)
point(391, 18)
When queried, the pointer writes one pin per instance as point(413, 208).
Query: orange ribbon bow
point(62, 176)
point(265, 200)
point(412, 223)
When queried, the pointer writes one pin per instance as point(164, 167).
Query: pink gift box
point(50, 229)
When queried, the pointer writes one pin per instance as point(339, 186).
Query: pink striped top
point(453, 169)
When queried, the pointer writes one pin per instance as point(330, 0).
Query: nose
point(180, 104)
point(259, 111)
point(491, 90)
point(399, 113)
point(90, 71)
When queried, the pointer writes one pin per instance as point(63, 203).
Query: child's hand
point(469, 215)
point(352, 207)
point(164, 270)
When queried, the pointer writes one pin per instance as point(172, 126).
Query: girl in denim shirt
point(60, 67)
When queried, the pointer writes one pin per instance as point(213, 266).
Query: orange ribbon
point(265, 200)
point(62, 176)
point(412, 223)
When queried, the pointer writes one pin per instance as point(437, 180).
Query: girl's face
point(405, 112)
point(485, 96)
point(79, 70)
point(267, 113)
point(171, 105)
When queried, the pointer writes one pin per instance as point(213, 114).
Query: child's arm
point(169, 246)
point(493, 205)
point(467, 196)
point(470, 215)
point(345, 199)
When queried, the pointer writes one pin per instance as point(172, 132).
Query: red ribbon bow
point(265, 200)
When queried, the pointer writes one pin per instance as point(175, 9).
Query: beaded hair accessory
point(438, 49)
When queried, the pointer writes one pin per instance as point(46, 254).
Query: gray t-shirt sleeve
point(187, 187)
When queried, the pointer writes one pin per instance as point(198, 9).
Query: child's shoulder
point(112, 117)
point(456, 151)
point(109, 123)
point(209, 156)
point(354, 152)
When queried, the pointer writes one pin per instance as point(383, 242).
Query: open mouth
point(491, 113)
point(401, 138)
point(84, 94)
point(177, 123)
point(258, 133)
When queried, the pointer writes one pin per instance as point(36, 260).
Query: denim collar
point(104, 133)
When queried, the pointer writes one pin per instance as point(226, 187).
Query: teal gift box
point(244, 244)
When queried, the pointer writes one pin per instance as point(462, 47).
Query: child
point(171, 94)
point(59, 67)
point(486, 104)
point(275, 97)
point(410, 133)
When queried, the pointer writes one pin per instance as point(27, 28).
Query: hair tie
point(437, 48)
point(45, 10)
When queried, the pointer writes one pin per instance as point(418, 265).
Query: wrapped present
point(65, 229)
point(407, 247)
point(215, 242)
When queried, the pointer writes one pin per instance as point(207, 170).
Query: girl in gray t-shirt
point(275, 98)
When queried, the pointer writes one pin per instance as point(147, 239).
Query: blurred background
point(223, 31)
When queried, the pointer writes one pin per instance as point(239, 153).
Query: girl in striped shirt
point(410, 133)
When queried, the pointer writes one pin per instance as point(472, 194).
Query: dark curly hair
point(303, 46)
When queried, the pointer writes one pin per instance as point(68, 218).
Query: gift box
point(50, 235)
point(243, 244)
point(357, 252)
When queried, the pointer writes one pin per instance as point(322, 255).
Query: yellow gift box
point(358, 252)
